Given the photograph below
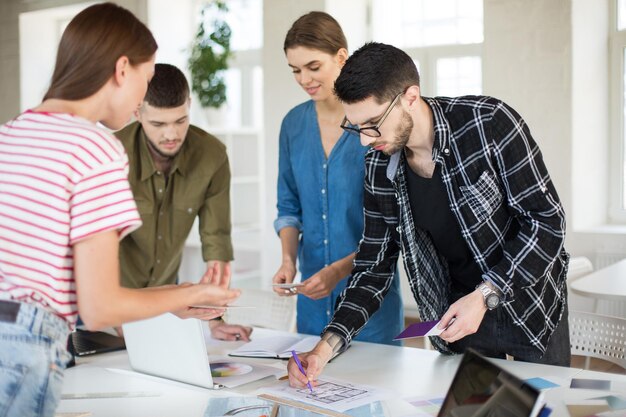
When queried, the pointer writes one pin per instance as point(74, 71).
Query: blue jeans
point(497, 336)
point(33, 356)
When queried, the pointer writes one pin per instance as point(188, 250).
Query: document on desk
point(279, 347)
point(332, 394)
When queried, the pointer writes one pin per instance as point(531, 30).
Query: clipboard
point(302, 406)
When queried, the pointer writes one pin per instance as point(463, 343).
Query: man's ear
point(412, 95)
point(121, 69)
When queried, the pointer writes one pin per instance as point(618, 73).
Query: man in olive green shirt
point(177, 172)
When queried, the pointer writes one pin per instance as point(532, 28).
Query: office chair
point(593, 335)
point(270, 310)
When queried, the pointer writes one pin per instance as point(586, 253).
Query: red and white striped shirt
point(62, 179)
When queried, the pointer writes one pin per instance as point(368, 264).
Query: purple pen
point(295, 358)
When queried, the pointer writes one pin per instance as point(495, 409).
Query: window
point(618, 114)
point(444, 37)
point(239, 124)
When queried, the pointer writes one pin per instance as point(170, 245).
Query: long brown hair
point(91, 45)
point(316, 30)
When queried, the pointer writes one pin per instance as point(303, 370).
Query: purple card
point(419, 329)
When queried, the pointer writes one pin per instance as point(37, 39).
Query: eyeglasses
point(371, 131)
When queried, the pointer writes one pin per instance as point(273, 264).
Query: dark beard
point(158, 151)
point(403, 132)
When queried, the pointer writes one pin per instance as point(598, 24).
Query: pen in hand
point(295, 358)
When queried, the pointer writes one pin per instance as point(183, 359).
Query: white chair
point(270, 310)
point(593, 335)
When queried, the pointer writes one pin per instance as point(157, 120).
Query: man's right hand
point(285, 275)
point(313, 363)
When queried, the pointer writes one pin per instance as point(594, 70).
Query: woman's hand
point(285, 275)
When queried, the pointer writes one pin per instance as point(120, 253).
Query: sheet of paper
point(332, 394)
point(541, 383)
point(615, 402)
point(599, 384)
point(589, 408)
point(426, 406)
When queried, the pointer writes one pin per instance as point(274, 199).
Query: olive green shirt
point(198, 184)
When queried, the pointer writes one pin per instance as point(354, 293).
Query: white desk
point(607, 283)
point(409, 372)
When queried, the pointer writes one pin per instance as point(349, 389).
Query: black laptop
point(480, 388)
point(84, 343)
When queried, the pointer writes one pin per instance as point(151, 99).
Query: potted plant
point(209, 55)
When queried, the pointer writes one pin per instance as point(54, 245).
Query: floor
point(577, 361)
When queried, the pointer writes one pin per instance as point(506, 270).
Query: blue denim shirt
point(323, 198)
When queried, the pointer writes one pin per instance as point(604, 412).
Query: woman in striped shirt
point(65, 203)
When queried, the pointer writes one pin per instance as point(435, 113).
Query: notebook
point(277, 346)
point(169, 347)
point(84, 343)
point(480, 388)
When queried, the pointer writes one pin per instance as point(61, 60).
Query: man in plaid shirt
point(460, 187)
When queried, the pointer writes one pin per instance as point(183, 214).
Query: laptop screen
point(482, 389)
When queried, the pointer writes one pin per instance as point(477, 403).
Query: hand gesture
point(468, 313)
point(232, 332)
point(285, 275)
point(218, 273)
point(313, 363)
point(321, 284)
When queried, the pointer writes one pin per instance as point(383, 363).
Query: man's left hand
point(468, 313)
point(218, 273)
point(232, 332)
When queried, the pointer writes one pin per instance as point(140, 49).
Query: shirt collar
point(442, 138)
point(440, 127)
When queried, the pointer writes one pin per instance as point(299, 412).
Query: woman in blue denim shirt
point(320, 186)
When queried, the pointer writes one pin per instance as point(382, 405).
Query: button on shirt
point(198, 184)
point(322, 198)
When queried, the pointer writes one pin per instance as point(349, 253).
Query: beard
point(159, 152)
point(402, 134)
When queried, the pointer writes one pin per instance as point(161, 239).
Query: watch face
point(492, 301)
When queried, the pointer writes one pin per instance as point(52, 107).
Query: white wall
point(555, 76)
point(39, 49)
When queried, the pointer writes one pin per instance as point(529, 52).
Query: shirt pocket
point(483, 197)
point(185, 213)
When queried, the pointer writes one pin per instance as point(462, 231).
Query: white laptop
point(170, 347)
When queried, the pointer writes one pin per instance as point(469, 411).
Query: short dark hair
point(168, 88)
point(316, 30)
point(376, 70)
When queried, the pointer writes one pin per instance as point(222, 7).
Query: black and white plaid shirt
point(507, 208)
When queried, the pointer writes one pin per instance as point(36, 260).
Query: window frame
point(427, 57)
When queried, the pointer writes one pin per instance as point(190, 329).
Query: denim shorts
point(33, 357)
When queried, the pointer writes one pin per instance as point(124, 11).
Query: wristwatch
point(492, 297)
